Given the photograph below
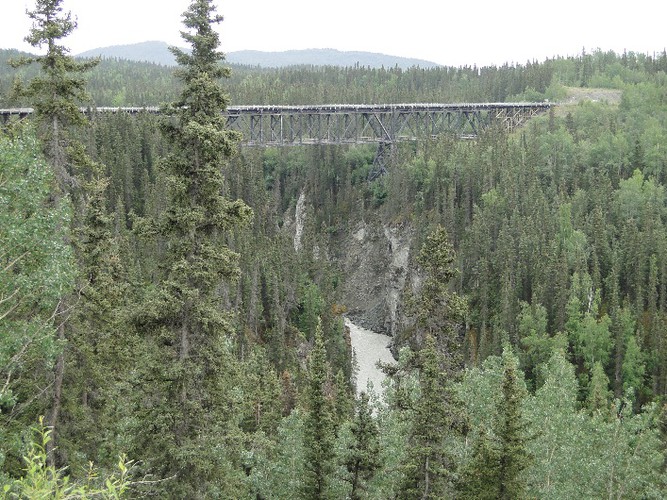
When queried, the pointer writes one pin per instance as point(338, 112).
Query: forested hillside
point(172, 303)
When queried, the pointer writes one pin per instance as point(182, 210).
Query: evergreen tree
point(100, 346)
point(633, 367)
point(478, 479)
point(58, 91)
point(428, 468)
point(56, 95)
point(344, 402)
point(510, 431)
point(261, 394)
point(438, 412)
point(193, 372)
point(319, 424)
point(363, 455)
point(530, 213)
point(436, 310)
point(497, 467)
point(598, 390)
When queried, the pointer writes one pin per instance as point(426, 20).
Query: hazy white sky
point(443, 31)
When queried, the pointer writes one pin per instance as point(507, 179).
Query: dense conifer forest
point(163, 335)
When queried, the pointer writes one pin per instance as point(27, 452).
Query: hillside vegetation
point(172, 303)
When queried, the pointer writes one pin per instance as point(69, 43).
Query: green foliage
point(311, 307)
point(572, 451)
point(41, 480)
point(99, 344)
point(511, 432)
point(261, 395)
point(148, 84)
point(593, 340)
point(537, 344)
point(598, 390)
point(378, 192)
point(319, 431)
point(428, 469)
point(634, 367)
point(363, 455)
point(436, 310)
point(56, 94)
point(560, 239)
point(279, 471)
point(190, 370)
point(553, 410)
point(58, 91)
point(35, 271)
point(478, 478)
point(500, 458)
point(637, 194)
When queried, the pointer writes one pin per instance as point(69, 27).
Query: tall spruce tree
point(478, 479)
point(437, 310)
point(99, 346)
point(58, 92)
point(189, 430)
point(319, 424)
point(511, 432)
point(56, 95)
point(428, 468)
point(500, 457)
point(438, 412)
point(363, 455)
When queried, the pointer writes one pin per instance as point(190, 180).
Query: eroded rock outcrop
point(375, 260)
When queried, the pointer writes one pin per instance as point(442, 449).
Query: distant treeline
point(126, 83)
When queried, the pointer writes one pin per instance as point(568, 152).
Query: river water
point(369, 348)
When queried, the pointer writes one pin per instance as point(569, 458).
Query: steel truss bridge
point(382, 124)
point(357, 123)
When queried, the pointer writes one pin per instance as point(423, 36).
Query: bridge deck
point(272, 125)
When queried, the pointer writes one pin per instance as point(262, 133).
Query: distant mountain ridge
point(158, 53)
point(324, 57)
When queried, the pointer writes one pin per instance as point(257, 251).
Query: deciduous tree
point(36, 270)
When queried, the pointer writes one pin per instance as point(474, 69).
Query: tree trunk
point(183, 354)
point(426, 478)
point(59, 373)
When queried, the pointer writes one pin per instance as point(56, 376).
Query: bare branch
point(11, 309)
point(11, 264)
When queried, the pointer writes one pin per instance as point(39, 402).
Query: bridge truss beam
point(348, 124)
point(355, 124)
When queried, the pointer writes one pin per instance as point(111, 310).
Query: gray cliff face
point(375, 261)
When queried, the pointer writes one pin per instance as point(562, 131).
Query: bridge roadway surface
point(354, 123)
